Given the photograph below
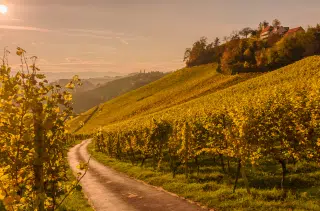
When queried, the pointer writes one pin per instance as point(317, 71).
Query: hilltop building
point(270, 30)
point(294, 30)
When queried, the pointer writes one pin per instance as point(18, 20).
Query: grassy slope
point(88, 99)
point(287, 78)
point(174, 89)
point(191, 89)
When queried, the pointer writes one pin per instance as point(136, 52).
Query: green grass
point(174, 89)
point(76, 201)
point(213, 188)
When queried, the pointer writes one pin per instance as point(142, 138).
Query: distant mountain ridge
point(84, 100)
point(54, 76)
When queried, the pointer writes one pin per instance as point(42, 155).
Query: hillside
point(90, 98)
point(102, 80)
point(86, 85)
point(185, 85)
point(267, 128)
point(173, 89)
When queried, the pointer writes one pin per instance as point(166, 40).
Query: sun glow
point(3, 9)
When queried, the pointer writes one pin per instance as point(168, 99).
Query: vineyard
point(243, 142)
point(34, 139)
point(268, 122)
point(173, 89)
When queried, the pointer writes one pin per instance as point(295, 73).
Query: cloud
point(34, 43)
point(24, 28)
point(75, 61)
point(101, 34)
point(16, 19)
point(159, 65)
point(109, 34)
point(85, 35)
point(95, 34)
point(88, 53)
point(42, 61)
point(122, 41)
point(95, 3)
point(94, 31)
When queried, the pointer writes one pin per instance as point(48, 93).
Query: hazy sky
point(129, 35)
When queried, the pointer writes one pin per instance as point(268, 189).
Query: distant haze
point(53, 76)
point(131, 35)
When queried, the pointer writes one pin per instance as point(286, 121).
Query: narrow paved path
point(109, 190)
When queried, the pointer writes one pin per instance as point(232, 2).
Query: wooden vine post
point(39, 148)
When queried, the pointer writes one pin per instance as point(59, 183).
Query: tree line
point(244, 51)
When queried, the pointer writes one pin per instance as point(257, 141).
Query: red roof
point(294, 30)
point(268, 28)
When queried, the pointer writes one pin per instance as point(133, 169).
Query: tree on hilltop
point(245, 32)
point(276, 23)
point(197, 54)
point(234, 35)
point(263, 25)
point(216, 42)
point(225, 39)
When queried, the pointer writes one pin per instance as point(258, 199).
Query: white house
point(266, 32)
point(270, 30)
